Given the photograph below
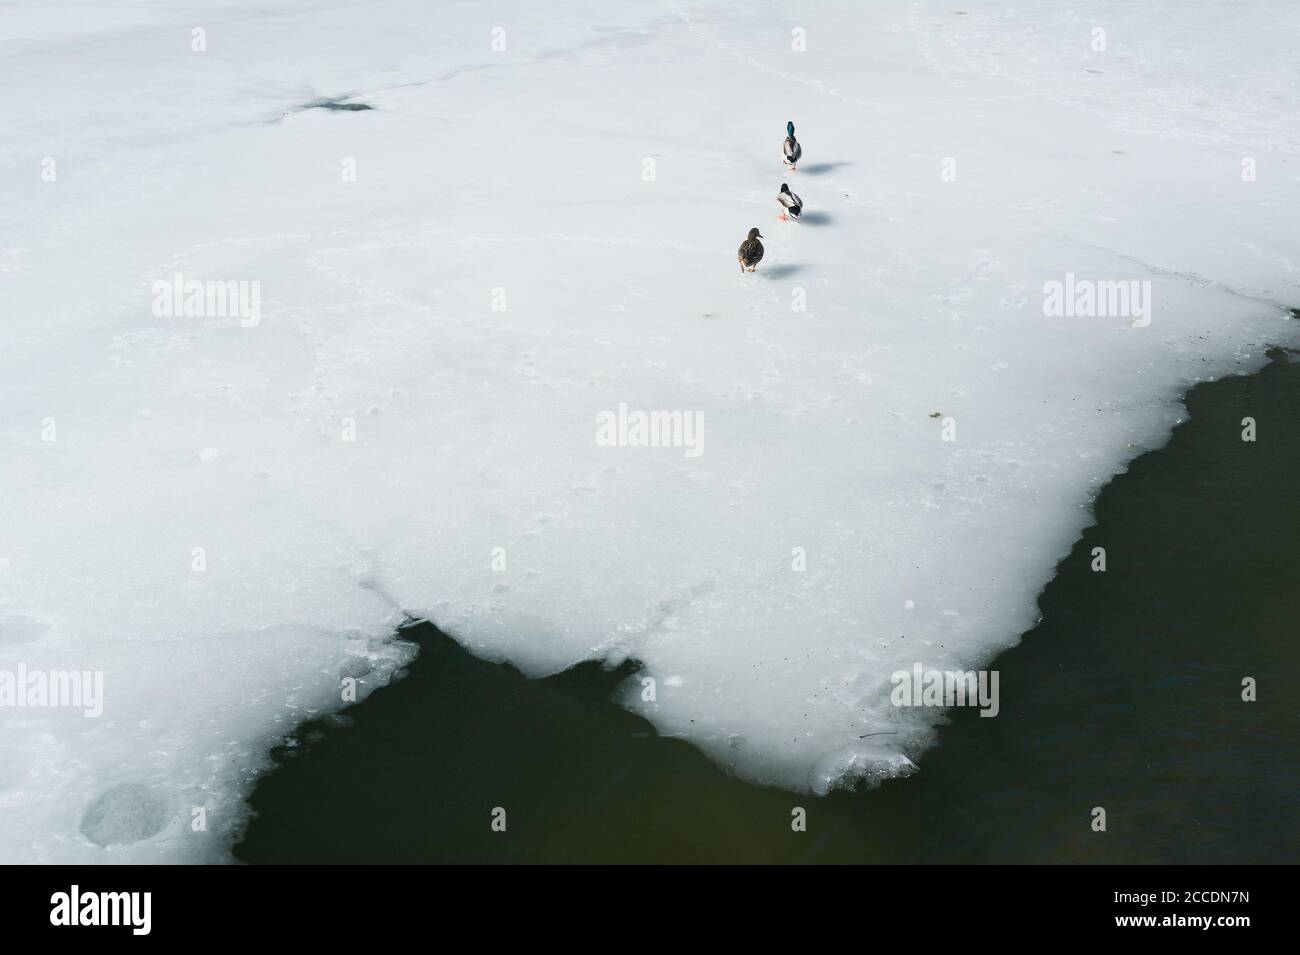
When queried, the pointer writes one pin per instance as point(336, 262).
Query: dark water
point(1126, 696)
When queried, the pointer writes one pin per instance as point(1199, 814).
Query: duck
point(791, 148)
point(791, 203)
point(750, 252)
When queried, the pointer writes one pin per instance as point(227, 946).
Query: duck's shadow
point(815, 218)
point(783, 271)
point(820, 168)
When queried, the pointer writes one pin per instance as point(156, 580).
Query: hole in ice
point(338, 105)
point(128, 812)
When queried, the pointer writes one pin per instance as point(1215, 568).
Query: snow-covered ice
point(537, 222)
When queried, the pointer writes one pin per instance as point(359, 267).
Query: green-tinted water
point(1127, 696)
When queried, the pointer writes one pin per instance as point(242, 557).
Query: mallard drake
point(750, 252)
point(791, 203)
point(793, 151)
